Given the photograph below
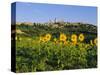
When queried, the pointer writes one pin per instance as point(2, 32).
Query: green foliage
point(47, 56)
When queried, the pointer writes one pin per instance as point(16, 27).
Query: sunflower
point(41, 38)
point(74, 42)
point(74, 37)
point(47, 37)
point(63, 37)
point(81, 37)
point(95, 41)
point(44, 39)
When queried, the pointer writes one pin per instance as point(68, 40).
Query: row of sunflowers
point(64, 39)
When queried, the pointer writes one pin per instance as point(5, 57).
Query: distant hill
point(67, 26)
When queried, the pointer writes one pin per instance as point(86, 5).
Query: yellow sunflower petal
point(81, 37)
point(74, 37)
point(63, 37)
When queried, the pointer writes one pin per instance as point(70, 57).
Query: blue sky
point(36, 12)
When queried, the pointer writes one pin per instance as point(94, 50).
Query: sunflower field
point(47, 48)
